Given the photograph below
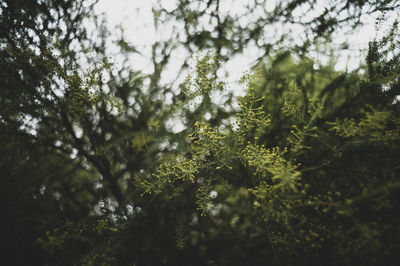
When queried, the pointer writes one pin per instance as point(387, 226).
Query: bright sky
point(137, 19)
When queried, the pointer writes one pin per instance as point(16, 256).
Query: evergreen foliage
point(304, 170)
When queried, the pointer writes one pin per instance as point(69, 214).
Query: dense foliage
point(302, 170)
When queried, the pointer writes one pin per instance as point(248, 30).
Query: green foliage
point(306, 204)
point(304, 172)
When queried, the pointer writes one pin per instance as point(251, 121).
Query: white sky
point(137, 19)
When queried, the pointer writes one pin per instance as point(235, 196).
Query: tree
point(62, 132)
point(92, 174)
point(310, 156)
point(33, 170)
